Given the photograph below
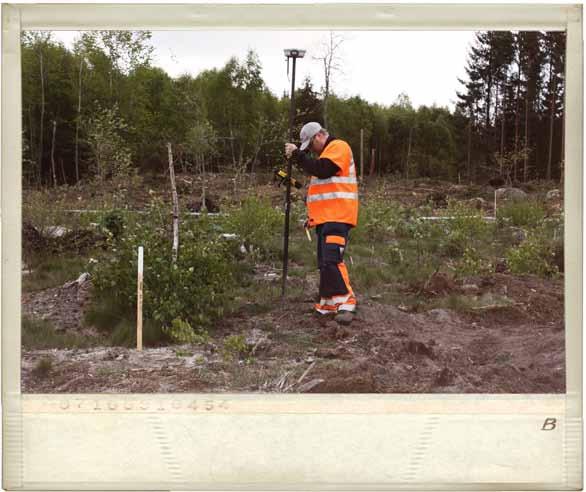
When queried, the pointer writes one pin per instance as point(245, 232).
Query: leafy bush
point(465, 227)
point(258, 225)
point(181, 332)
point(521, 213)
point(535, 255)
point(113, 222)
point(105, 136)
point(377, 219)
point(195, 289)
point(472, 263)
point(467, 221)
point(235, 347)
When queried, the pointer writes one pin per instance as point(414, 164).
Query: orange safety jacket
point(334, 199)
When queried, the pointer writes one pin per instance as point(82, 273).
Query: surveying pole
point(294, 54)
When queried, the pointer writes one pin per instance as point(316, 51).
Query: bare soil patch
point(515, 349)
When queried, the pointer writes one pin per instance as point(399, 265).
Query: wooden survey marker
point(139, 299)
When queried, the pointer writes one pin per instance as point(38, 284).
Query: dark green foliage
point(235, 347)
point(124, 333)
point(106, 90)
point(533, 256)
point(194, 289)
point(513, 101)
point(113, 222)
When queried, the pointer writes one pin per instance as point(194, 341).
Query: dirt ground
point(518, 348)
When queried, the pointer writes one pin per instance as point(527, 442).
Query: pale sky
point(376, 65)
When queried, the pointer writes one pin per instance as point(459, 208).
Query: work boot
point(344, 317)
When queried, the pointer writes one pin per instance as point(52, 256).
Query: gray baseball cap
point(308, 131)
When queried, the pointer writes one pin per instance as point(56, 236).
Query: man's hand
point(289, 149)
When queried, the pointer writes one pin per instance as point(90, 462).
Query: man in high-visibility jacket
point(332, 208)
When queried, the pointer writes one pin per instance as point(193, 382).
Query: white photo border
point(28, 418)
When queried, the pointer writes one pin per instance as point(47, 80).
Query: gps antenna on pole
point(294, 54)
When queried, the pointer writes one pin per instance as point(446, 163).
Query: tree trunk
point(487, 139)
point(326, 106)
point(496, 116)
point(379, 158)
point(517, 124)
point(63, 170)
point(53, 167)
point(232, 146)
point(77, 123)
point(372, 162)
point(469, 151)
point(202, 173)
point(175, 205)
point(408, 162)
point(327, 68)
point(551, 120)
point(503, 118)
point(563, 151)
point(34, 157)
point(42, 117)
point(526, 144)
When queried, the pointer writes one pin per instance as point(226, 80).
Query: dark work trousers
point(329, 255)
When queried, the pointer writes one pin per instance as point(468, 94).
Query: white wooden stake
point(139, 300)
point(175, 205)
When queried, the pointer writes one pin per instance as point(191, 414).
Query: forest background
point(102, 109)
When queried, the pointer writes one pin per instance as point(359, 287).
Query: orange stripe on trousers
point(344, 272)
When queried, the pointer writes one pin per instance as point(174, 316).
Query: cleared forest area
point(465, 304)
point(457, 260)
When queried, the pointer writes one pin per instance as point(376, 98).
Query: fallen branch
point(427, 282)
point(497, 306)
point(306, 373)
point(290, 387)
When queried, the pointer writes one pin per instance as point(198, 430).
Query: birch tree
point(331, 61)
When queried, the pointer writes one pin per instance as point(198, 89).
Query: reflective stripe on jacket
point(334, 199)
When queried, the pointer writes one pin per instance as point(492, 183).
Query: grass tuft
point(41, 334)
point(52, 272)
point(43, 367)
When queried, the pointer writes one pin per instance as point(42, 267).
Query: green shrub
point(181, 332)
point(258, 226)
point(467, 221)
point(377, 219)
point(528, 213)
point(235, 347)
point(535, 255)
point(464, 229)
point(195, 289)
point(113, 222)
point(472, 263)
